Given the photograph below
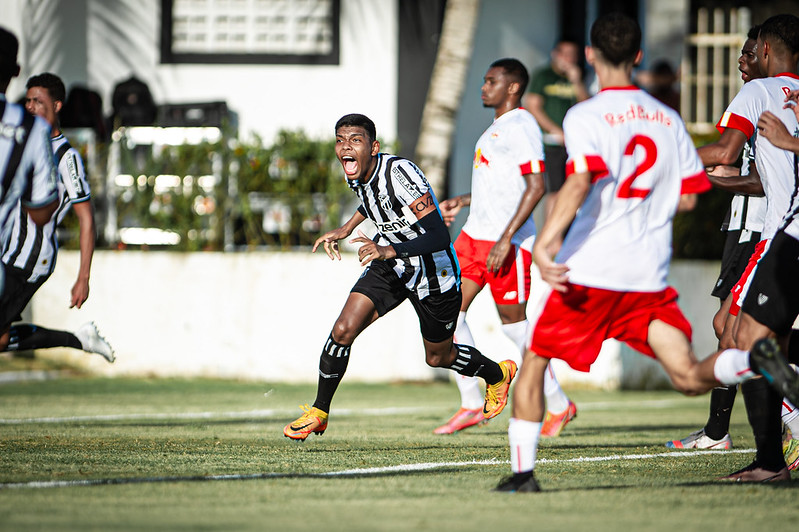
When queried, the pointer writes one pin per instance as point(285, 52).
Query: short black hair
point(9, 47)
point(514, 69)
point(358, 120)
point(753, 32)
point(616, 37)
point(785, 28)
point(51, 82)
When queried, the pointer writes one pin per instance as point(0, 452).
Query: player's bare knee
point(343, 332)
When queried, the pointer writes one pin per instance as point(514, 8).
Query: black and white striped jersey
point(32, 248)
point(386, 198)
point(27, 166)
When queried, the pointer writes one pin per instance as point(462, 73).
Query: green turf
point(146, 435)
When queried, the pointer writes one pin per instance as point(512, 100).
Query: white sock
point(519, 334)
point(732, 367)
point(790, 416)
point(523, 439)
point(471, 393)
point(557, 400)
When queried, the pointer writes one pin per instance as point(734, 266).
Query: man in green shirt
point(552, 91)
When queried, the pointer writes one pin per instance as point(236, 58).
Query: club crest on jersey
point(9, 131)
point(480, 159)
point(385, 201)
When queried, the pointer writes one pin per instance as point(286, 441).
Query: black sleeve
point(435, 238)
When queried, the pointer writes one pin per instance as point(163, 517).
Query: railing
point(710, 76)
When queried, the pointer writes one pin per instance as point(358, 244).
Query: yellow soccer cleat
point(790, 449)
point(497, 394)
point(312, 421)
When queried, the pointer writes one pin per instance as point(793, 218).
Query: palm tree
point(446, 88)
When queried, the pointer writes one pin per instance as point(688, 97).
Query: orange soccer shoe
point(554, 423)
point(463, 418)
point(497, 394)
point(312, 421)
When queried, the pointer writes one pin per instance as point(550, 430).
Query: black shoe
point(516, 484)
point(766, 359)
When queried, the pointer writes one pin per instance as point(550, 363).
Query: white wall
point(265, 316)
point(122, 38)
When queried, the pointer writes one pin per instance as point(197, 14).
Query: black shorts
point(555, 167)
point(734, 259)
point(773, 296)
point(438, 313)
point(17, 293)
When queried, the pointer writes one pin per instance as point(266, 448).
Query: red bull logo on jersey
point(479, 159)
point(637, 112)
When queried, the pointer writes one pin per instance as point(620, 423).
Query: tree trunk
point(446, 88)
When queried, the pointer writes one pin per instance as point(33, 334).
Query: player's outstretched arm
point(725, 150)
point(729, 178)
point(452, 206)
point(532, 195)
point(773, 129)
point(80, 290)
point(331, 238)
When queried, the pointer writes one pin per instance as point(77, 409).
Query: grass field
point(124, 454)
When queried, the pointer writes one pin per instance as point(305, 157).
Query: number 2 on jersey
point(626, 189)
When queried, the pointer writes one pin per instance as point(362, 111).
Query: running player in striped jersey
point(29, 255)
point(495, 245)
point(26, 160)
point(411, 257)
point(631, 166)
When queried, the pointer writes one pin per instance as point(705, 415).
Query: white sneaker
point(92, 342)
point(698, 440)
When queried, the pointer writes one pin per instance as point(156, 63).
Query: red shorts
point(573, 325)
point(511, 284)
point(742, 286)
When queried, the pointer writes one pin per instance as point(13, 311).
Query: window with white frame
point(250, 31)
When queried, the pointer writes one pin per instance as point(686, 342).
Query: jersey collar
point(625, 88)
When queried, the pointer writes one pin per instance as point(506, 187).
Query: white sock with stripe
point(469, 387)
point(523, 439)
point(732, 367)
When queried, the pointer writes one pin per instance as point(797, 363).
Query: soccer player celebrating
point(29, 256)
point(411, 257)
point(631, 166)
point(495, 245)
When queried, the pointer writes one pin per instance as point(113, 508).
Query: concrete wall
point(265, 316)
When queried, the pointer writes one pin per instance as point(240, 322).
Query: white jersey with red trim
point(510, 148)
point(641, 160)
point(774, 165)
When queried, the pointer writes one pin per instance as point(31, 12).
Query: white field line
point(403, 468)
point(267, 413)
point(243, 414)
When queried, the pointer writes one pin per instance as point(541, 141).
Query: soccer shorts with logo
point(438, 313)
point(734, 259)
point(573, 325)
point(742, 286)
point(772, 297)
point(511, 284)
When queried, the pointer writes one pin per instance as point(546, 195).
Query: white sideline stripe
point(352, 472)
point(209, 415)
point(265, 413)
